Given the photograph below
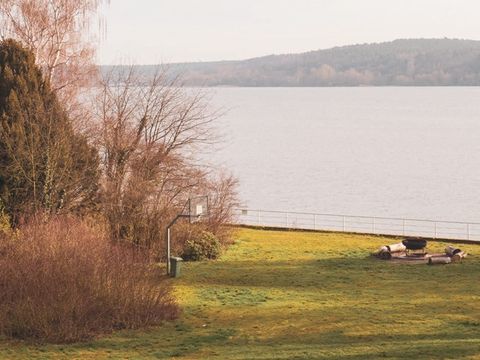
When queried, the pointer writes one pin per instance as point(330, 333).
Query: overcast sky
point(154, 31)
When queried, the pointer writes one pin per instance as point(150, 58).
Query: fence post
point(344, 223)
point(314, 222)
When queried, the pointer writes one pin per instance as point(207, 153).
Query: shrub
point(64, 281)
point(205, 246)
point(5, 225)
point(223, 200)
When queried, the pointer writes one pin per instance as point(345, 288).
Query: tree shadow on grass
point(336, 273)
point(295, 344)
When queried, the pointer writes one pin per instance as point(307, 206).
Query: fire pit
point(415, 246)
point(412, 251)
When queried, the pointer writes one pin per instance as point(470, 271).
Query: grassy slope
point(291, 295)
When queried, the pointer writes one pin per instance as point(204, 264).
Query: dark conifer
point(44, 164)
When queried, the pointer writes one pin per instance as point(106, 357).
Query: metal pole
point(344, 224)
point(286, 220)
point(468, 231)
point(435, 231)
point(168, 250)
point(373, 225)
point(314, 222)
point(169, 236)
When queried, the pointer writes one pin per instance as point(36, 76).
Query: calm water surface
point(400, 152)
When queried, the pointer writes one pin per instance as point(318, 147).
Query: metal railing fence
point(360, 224)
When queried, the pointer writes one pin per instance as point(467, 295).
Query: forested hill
point(421, 62)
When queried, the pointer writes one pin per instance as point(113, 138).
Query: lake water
point(396, 152)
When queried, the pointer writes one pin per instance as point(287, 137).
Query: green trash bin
point(175, 266)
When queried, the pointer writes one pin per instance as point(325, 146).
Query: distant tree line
point(416, 62)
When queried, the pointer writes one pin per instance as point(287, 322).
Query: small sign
point(199, 210)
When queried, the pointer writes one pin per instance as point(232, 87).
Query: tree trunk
point(451, 251)
point(396, 248)
point(439, 260)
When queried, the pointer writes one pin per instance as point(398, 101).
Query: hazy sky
point(154, 31)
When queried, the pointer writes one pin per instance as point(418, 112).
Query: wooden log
point(451, 250)
point(459, 256)
point(382, 249)
point(435, 260)
point(385, 255)
point(382, 253)
point(396, 248)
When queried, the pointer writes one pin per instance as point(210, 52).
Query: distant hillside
point(420, 62)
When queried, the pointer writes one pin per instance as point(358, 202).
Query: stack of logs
point(452, 254)
point(389, 251)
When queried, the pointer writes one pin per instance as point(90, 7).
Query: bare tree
point(57, 32)
point(148, 131)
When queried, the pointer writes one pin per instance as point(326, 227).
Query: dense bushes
point(202, 247)
point(60, 279)
point(64, 281)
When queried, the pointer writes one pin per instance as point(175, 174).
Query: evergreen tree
point(44, 164)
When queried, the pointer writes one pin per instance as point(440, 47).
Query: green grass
point(295, 295)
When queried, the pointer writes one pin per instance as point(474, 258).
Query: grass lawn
point(295, 295)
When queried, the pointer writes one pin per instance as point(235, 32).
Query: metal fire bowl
point(414, 244)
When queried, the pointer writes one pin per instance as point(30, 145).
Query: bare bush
point(64, 281)
point(222, 202)
point(223, 199)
